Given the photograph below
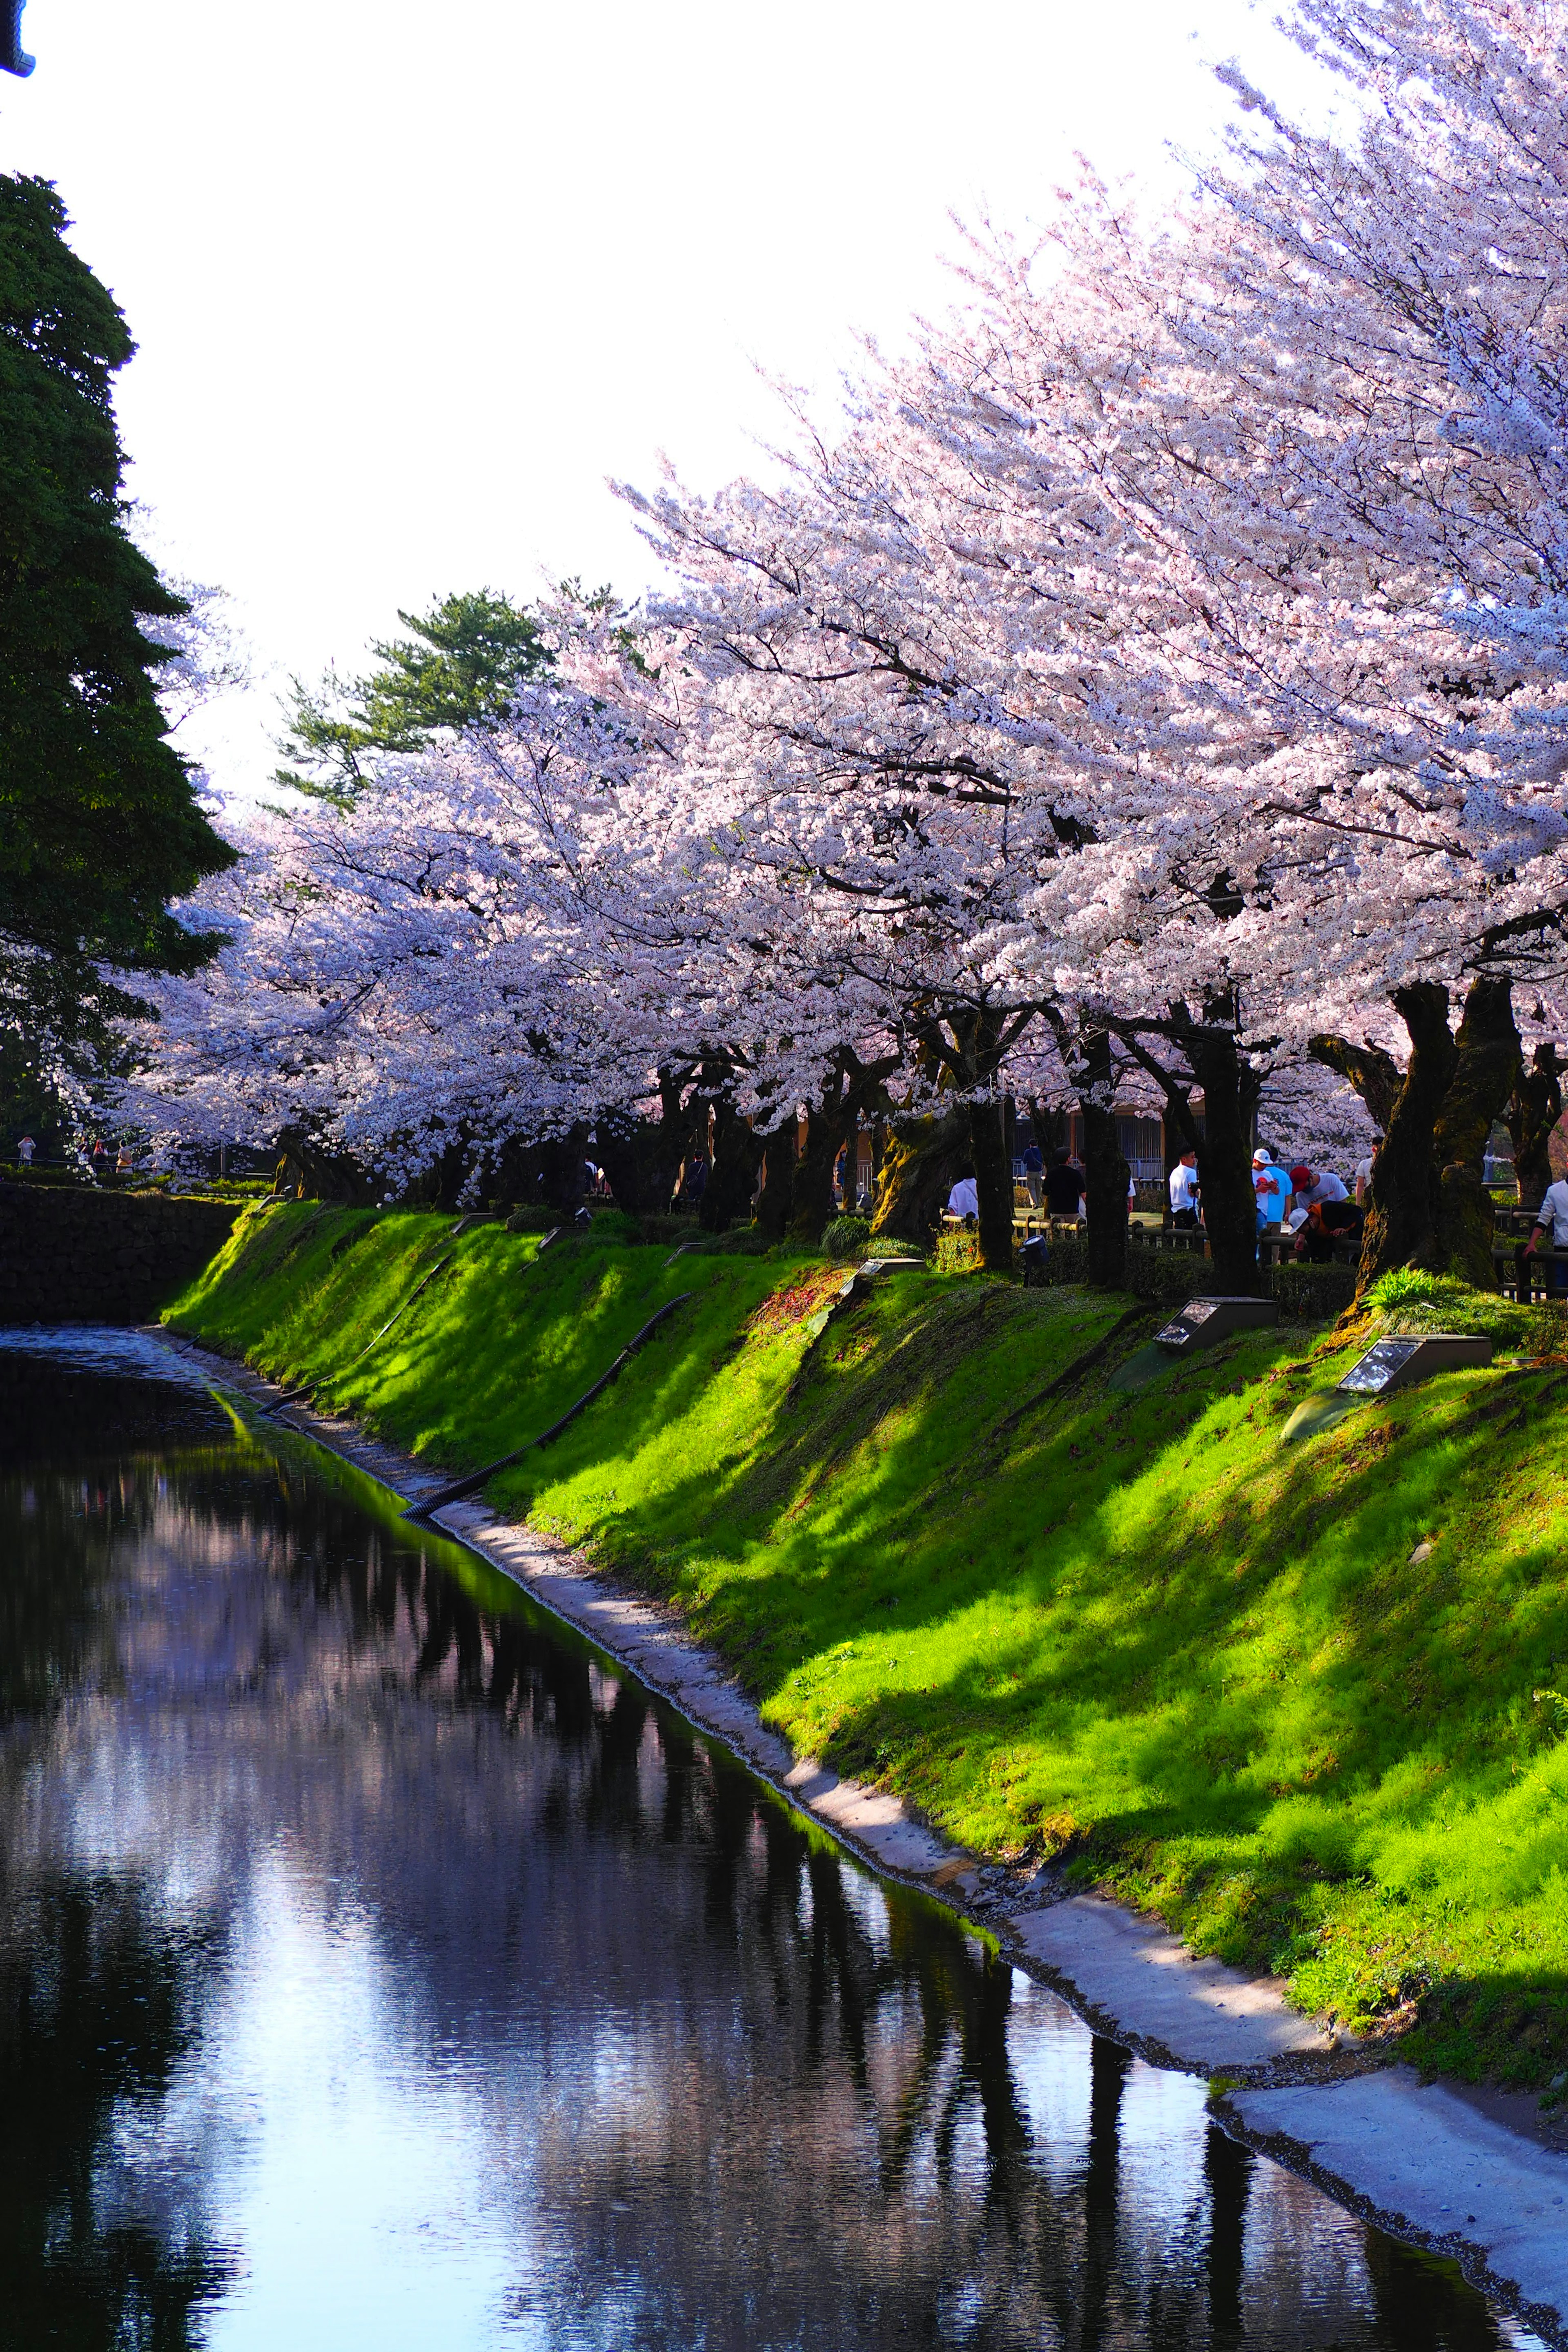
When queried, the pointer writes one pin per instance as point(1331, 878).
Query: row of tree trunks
point(642, 1157)
point(1229, 1085)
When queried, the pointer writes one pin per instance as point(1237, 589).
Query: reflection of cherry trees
point(725, 2088)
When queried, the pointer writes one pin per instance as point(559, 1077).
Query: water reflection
point(379, 1968)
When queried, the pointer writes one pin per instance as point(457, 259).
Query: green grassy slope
point(1128, 1629)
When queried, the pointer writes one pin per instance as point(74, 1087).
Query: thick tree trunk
point(1532, 1116)
point(993, 1184)
point(1400, 1204)
point(1229, 1089)
point(921, 1161)
point(1426, 1204)
point(811, 1203)
point(733, 1176)
point(1486, 1072)
point(778, 1176)
point(1105, 1168)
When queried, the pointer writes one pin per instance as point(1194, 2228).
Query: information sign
point(1202, 1321)
point(1399, 1363)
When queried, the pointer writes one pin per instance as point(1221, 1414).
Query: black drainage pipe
point(308, 1388)
point(477, 1478)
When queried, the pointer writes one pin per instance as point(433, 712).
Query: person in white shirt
point(964, 1200)
point(1364, 1172)
point(26, 1149)
point(1553, 1214)
point(1184, 1189)
point(1272, 1187)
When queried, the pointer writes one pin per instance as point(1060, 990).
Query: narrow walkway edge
point(1420, 2161)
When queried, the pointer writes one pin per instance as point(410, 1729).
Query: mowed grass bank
point(1130, 1631)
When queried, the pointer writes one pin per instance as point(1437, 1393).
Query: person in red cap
point(1329, 1213)
point(1310, 1188)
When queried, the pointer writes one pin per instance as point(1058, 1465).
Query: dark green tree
point(462, 665)
point(99, 824)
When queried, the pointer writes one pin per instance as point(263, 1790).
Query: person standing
point(1064, 1187)
point(1272, 1188)
point(1184, 1193)
point(26, 1149)
point(1553, 1214)
point(1033, 1172)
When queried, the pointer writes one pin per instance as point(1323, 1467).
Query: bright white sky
point(410, 280)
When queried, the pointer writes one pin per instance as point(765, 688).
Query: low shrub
point(615, 1225)
point(740, 1240)
point(670, 1229)
point(1164, 1278)
point(846, 1237)
point(532, 1221)
point(957, 1251)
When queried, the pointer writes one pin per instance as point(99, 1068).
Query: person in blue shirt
point(1272, 1187)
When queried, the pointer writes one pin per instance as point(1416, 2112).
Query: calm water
point(379, 1968)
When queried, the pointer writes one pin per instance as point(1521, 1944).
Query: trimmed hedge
point(1315, 1294)
point(1165, 1278)
point(1307, 1294)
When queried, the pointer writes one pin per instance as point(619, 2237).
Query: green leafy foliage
point(461, 664)
point(1297, 1700)
point(100, 827)
point(846, 1237)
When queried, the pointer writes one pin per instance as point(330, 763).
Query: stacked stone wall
point(71, 1255)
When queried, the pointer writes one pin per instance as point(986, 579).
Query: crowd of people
point(1310, 1209)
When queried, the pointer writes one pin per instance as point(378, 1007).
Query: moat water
point(382, 1967)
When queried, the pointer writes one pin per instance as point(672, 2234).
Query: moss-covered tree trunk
point(642, 1157)
point(811, 1199)
point(1532, 1116)
point(1426, 1204)
point(1486, 1072)
point(315, 1174)
point(923, 1159)
point(732, 1175)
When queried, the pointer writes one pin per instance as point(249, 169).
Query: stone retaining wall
point(80, 1256)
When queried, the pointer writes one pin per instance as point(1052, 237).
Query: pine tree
point(99, 824)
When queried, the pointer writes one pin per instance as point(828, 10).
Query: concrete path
point(1181, 2011)
point(1422, 2163)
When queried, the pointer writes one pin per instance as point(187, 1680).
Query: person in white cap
point(1272, 1187)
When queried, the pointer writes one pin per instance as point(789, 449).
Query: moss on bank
point(1301, 1701)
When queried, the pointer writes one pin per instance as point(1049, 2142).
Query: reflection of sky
point(349, 2164)
point(535, 2023)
